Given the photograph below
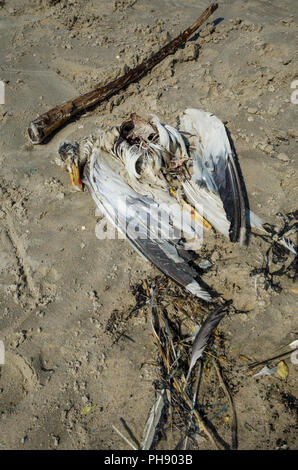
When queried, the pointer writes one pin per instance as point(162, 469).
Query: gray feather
point(202, 337)
point(215, 176)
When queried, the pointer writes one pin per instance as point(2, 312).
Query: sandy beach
point(66, 380)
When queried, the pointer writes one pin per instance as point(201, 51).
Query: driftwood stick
point(44, 125)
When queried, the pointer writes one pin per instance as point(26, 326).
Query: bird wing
point(130, 211)
point(215, 184)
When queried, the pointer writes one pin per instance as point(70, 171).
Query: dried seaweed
point(173, 315)
point(278, 252)
point(171, 336)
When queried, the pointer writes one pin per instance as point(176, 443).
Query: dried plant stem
point(202, 425)
point(180, 383)
point(229, 396)
point(272, 359)
point(124, 438)
point(177, 385)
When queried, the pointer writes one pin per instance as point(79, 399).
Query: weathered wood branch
point(44, 125)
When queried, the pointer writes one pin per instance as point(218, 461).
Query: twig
point(229, 396)
point(151, 305)
point(169, 336)
point(272, 359)
point(194, 399)
point(180, 386)
point(153, 421)
point(47, 123)
point(202, 425)
point(124, 438)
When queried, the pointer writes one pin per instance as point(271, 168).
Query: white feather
point(177, 138)
point(209, 205)
point(197, 290)
point(164, 138)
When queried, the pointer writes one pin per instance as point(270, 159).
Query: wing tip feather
point(198, 291)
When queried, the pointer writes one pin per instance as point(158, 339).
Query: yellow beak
point(75, 177)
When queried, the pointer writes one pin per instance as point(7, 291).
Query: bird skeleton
point(160, 186)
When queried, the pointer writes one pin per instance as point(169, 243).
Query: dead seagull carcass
point(160, 186)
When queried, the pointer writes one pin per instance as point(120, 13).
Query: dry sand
point(59, 284)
